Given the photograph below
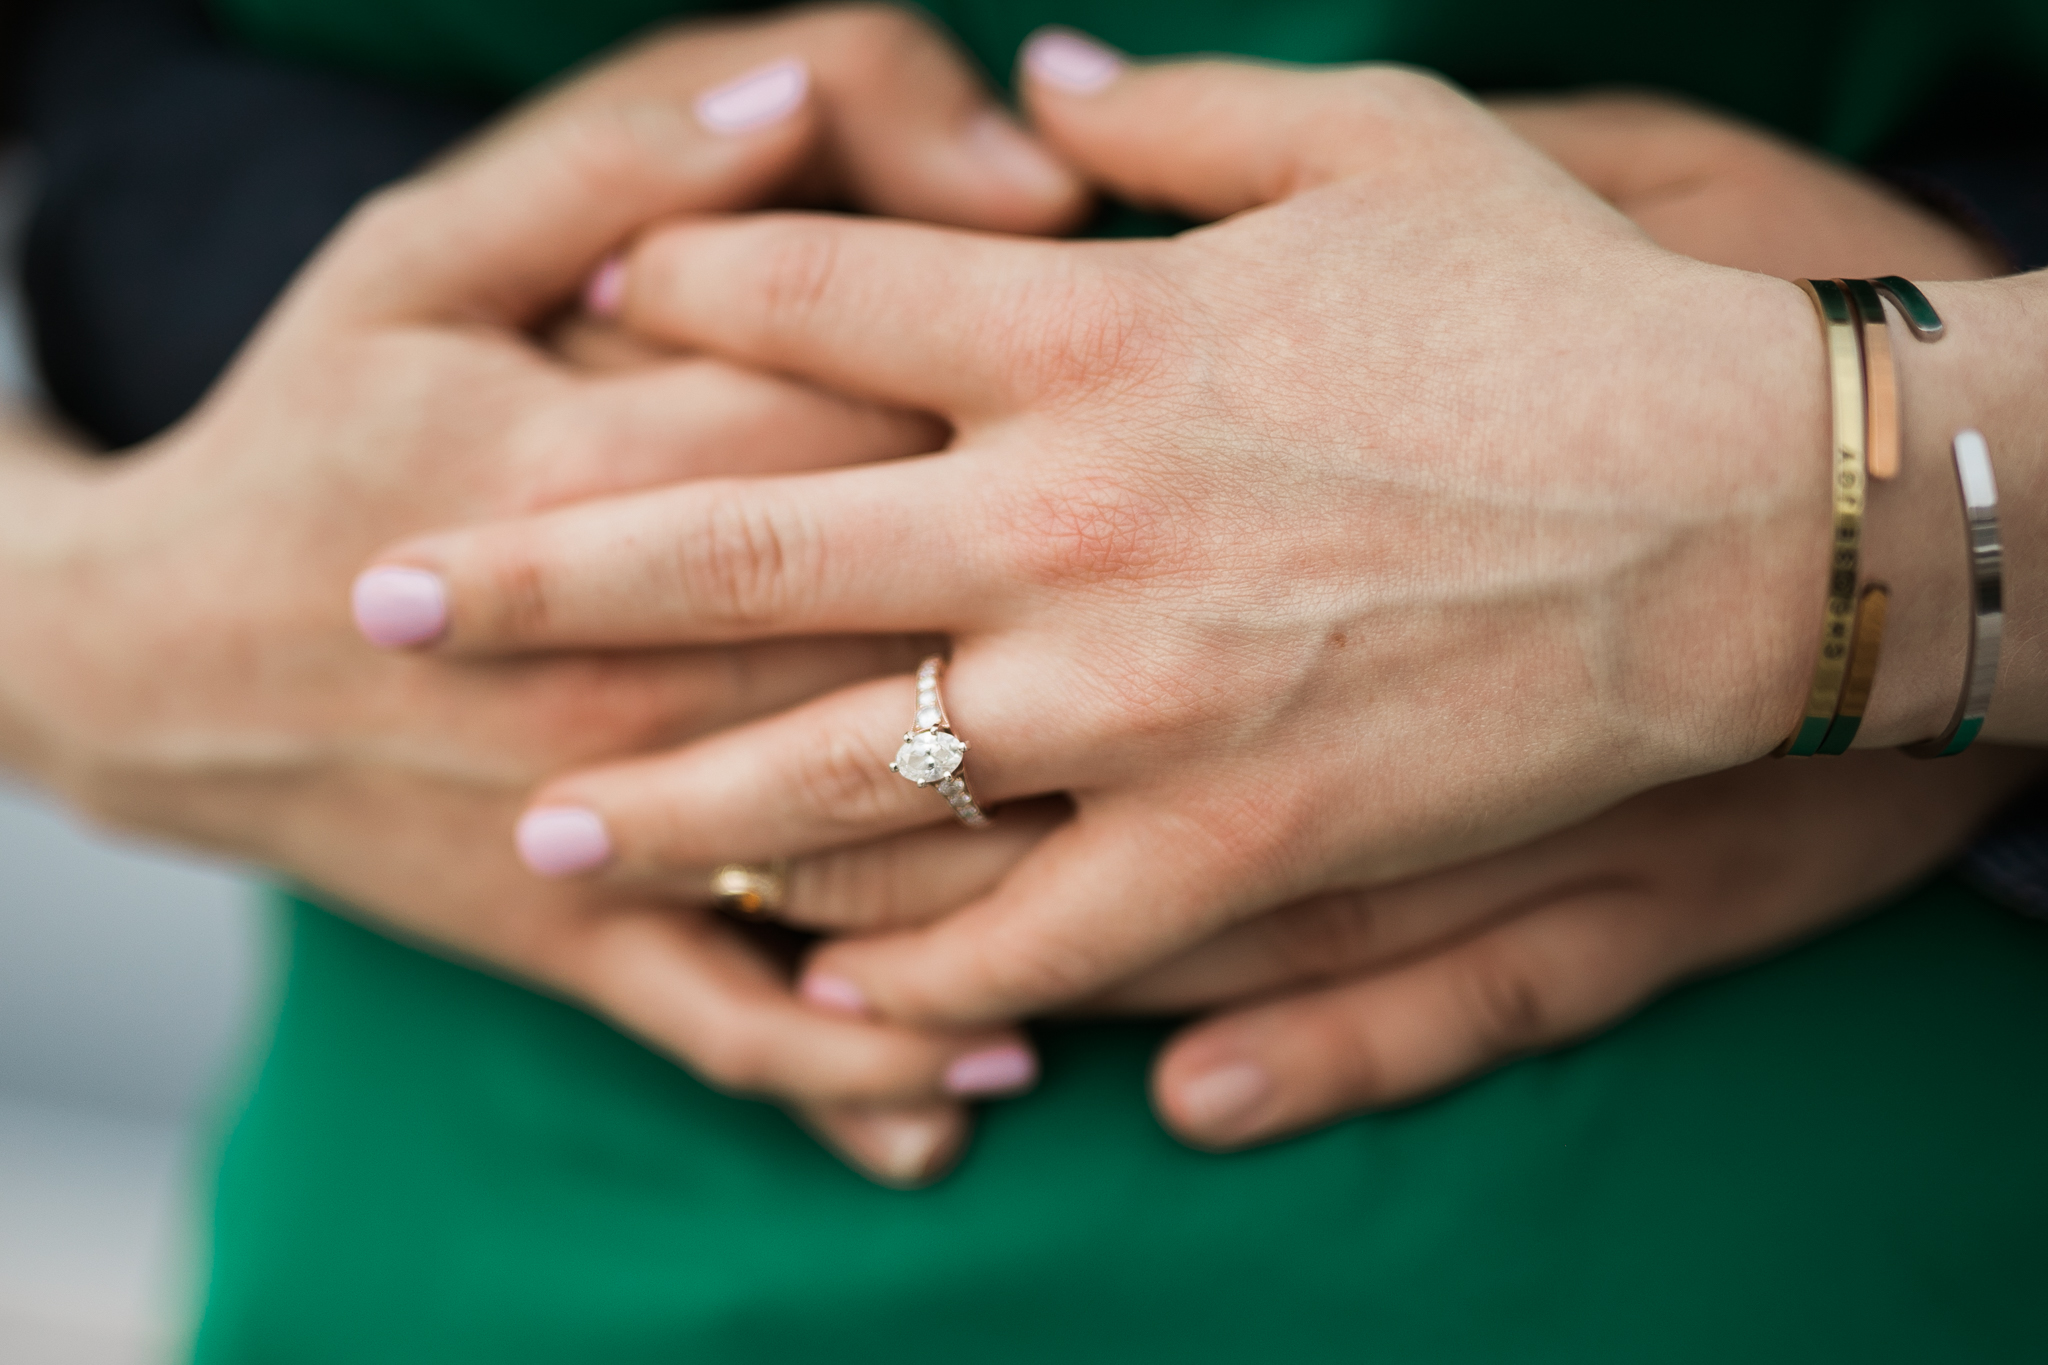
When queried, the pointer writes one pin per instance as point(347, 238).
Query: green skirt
point(1840, 1155)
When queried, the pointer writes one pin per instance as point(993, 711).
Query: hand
point(1432, 981)
point(179, 654)
point(1360, 534)
point(1464, 969)
point(1719, 190)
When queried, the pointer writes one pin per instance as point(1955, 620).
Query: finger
point(915, 316)
point(1211, 138)
point(1342, 933)
point(691, 986)
point(1534, 982)
point(1100, 896)
point(904, 1148)
point(906, 127)
point(510, 228)
point(1624, 146)
point(691, 419)
point(816, 777)
point(914, 878)
point(893, 883)
point(895, 546)
point(911, 132)
point(517, 722)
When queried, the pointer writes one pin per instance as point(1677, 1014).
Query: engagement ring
point(932, 754)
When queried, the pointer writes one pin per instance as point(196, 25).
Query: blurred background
point(127, 976)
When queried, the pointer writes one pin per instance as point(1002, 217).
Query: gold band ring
point(751, 889)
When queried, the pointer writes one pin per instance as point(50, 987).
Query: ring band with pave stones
point(932, 754)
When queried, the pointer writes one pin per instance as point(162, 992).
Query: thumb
point(1209, 138)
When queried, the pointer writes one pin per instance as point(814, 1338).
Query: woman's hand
point(1461, 970)
point(1371, 530)
point(179, 655)
point(1432, 981)
point(1364, 999)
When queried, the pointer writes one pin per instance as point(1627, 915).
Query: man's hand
point(1420, 985)
point(179, 654)
point(1720, 190)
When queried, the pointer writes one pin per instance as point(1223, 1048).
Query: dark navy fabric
point(182, 184)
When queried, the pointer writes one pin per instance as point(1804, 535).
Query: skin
point(248, 724)
point(177, 657)
point(1188, 574)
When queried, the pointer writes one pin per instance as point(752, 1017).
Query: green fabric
point(1840, 73)
point(1841, 1155)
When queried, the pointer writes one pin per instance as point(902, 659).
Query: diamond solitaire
point(928, 755)
point(932, 754)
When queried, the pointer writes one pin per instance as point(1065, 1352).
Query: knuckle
point(1263, 832)
point(746, 562)
point(1408, 89)
point(1328, 935)
point(797, 265)
point(1081, 326)
point(850, 891)
point(1029, 967)
point(837, 778)
point(517, 593)
point(871, 43)
point(1507, 1006)
point(1088, 529)
point(1353, 1056)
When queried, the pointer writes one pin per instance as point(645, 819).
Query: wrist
point(1748, 638)
point(49, 488)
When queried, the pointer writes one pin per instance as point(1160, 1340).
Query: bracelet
point(1987, 599)
point(1864, 400)
point(1881, 451)
point(1861, 674)
point(1845, 374)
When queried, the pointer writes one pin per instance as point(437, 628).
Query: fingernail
point(1001, 146)
point(833, 993)
point(1066, 59)
point(395, 607)
point(756, 99)
point(990, 1071)
point(560, 841)
point(1220, 1102)
point(908, 1147)
point(606, 290)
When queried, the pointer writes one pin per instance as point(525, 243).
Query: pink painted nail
point(1221, 1102)
point(606, 290)
point(757, 99)
point(991, 1071)
point(397, 607)
point(835, 993)
point(1074, 63)
point(560, 841)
